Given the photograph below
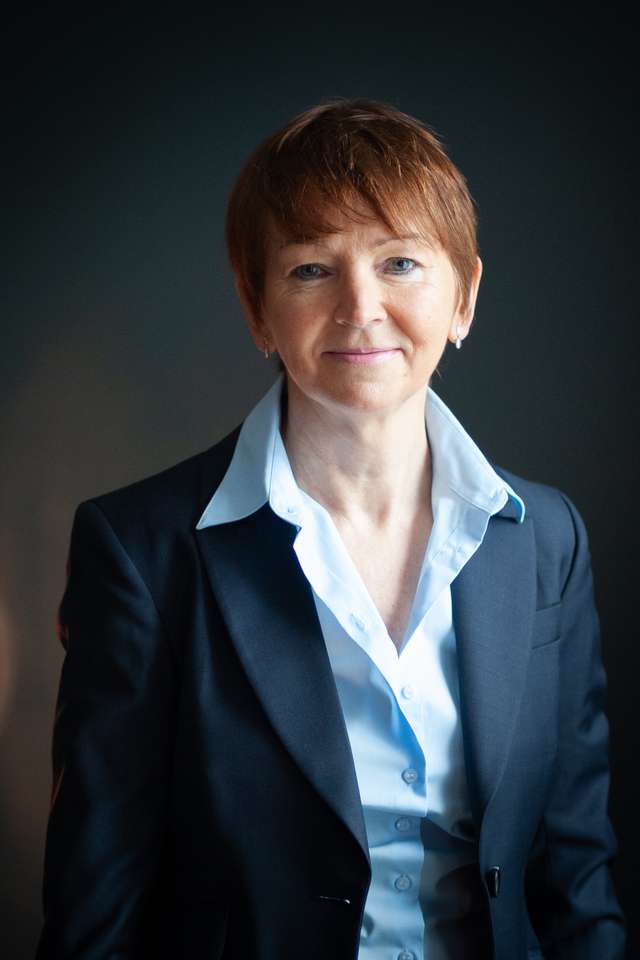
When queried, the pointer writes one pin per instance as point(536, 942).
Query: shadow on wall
point(6, 658)
point(73, 429)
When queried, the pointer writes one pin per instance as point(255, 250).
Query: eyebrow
point(376, 243)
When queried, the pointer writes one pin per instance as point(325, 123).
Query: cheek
point(296, 328)
point(289, 320)
point(426, 317)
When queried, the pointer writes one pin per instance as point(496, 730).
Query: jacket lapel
point(269, 611)
point(493, 598)
point(268, 607)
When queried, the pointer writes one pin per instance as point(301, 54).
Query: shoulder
point(559, 529)
point(165, 505)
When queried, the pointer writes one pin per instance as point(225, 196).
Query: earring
point(458, 340)
point(266, 348)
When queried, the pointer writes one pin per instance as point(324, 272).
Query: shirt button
point(359, 622)
point(403, 882)
point(407, 691)
point(406, 955)
point(410, 775)
point(403, 824)
point(291, 509)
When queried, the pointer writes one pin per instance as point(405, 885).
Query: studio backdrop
point(124, 349)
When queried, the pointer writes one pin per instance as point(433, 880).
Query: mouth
point(360, 350)
point(365, 354)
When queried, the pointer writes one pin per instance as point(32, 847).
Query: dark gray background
point(123, 348)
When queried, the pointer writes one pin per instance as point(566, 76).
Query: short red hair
point(334, 156)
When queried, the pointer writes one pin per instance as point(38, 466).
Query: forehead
point(339, 229)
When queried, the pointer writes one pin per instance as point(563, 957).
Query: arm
point(111, 752)
point(570, 895)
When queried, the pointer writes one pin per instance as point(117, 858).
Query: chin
point(372, 395)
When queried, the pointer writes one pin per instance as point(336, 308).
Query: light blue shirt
point(401, 705)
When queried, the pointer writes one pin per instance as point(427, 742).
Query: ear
point(463, 319)
point(254, 321)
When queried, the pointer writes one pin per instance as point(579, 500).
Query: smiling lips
point(365, 355)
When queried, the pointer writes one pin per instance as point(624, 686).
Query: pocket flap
point(546, 625)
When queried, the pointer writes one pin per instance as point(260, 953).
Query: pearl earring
point(458, 340)
point(266, 348)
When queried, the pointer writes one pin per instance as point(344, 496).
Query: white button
point(403, 882)
point(409, 775)
point(359, 622)
point(407, 691)
point(291, 509)
point(403, 824)
point(406, 955)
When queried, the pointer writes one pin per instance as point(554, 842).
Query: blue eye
point(302, 273)
point(404, 260)
point(313, 271)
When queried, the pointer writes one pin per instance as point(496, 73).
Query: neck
point(370, 469)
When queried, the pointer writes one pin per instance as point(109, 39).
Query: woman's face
point(328, 304)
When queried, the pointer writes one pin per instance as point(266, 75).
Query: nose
point(358, 301)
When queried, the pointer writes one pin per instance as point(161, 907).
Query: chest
point(389, 565)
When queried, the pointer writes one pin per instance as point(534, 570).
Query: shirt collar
point(260, 472)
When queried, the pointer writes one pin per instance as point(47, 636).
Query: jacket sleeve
point(111, 752)
point(570, 895)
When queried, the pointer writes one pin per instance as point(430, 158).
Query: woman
point(333, 687)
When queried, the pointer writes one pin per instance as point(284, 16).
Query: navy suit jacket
point(205, 802)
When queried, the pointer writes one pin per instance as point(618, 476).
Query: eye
point(403, 264)
point(304, 271)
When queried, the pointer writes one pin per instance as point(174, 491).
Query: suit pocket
point(546, 625)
